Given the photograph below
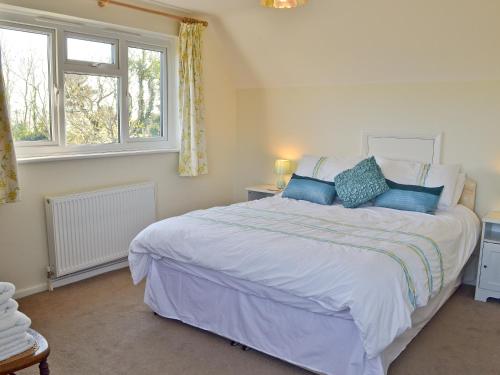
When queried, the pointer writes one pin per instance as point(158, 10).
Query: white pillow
point(333, 166)
point(400, 171)
point(306, 165)
point(325, 168)
point(443, 175)
point(459, 188)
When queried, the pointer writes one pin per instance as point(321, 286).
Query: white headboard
point(424, 148)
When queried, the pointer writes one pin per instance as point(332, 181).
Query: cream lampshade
point(281, 168)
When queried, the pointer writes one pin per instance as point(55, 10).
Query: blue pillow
point(310, 189)
point(410, 198)
point(360, 184)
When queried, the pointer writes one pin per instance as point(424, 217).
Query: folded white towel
point(10, 339)
point(20, 328)
point(15, 343)
point(20, 347)
point(8, 308)
point(18, 319)
point(7, 290)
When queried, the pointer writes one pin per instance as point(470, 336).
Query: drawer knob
point(485, 266)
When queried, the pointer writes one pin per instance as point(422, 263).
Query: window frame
point(61, 27)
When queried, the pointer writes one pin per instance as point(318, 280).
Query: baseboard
point(65, 280)
point(85, 274)
point(31, 290)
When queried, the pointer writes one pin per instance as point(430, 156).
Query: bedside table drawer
point(490, 267)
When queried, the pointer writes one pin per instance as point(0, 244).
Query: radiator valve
point(50, 273)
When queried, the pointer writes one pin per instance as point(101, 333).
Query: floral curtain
point(193, 156)
point(8, 166)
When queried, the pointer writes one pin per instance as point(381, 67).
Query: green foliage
point(144, 80)
point(151, 128)
point(25, 132)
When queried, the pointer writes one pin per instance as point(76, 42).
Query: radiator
point(93, 229)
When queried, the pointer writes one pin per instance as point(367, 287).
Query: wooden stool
point(29, 358)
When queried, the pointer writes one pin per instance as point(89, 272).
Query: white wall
point(23, 242)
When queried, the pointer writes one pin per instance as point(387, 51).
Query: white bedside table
point(488, 274)
point(262, 191)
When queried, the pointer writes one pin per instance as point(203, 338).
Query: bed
point(333, 290)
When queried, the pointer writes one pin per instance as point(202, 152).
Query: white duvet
point(379, 263)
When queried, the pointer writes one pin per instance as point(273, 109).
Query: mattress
point(379, 264)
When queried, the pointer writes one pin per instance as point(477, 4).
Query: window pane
point(91, 109)
point(25, 64)
point(88, 50)
point(145, 96)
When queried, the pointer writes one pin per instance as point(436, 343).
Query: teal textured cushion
point(410, 198)
point(360, 184)
point(310, 189)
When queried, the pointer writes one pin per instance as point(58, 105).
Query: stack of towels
point(14, 338)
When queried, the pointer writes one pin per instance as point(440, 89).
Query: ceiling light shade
point(283, 4)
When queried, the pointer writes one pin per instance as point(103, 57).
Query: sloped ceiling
point(356, 41)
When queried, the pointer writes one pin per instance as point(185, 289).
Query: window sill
point(95, 155)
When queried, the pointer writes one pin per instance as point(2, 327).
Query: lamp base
point(280, 183)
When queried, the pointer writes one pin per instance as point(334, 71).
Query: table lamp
point(281, 168)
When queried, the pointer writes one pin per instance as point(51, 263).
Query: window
point(80, 49)
point(91, 109)
point(87, 88)
point(26, 68)
point(145, 93)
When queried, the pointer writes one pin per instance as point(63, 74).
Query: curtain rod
point(103, 3)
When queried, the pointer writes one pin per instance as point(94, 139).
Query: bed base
point(323, 344)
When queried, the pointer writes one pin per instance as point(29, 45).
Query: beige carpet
point(101, 326)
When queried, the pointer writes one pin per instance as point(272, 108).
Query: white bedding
point(379, 263)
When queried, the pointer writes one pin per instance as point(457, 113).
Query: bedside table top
point(492, 217)
point(265, 188)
